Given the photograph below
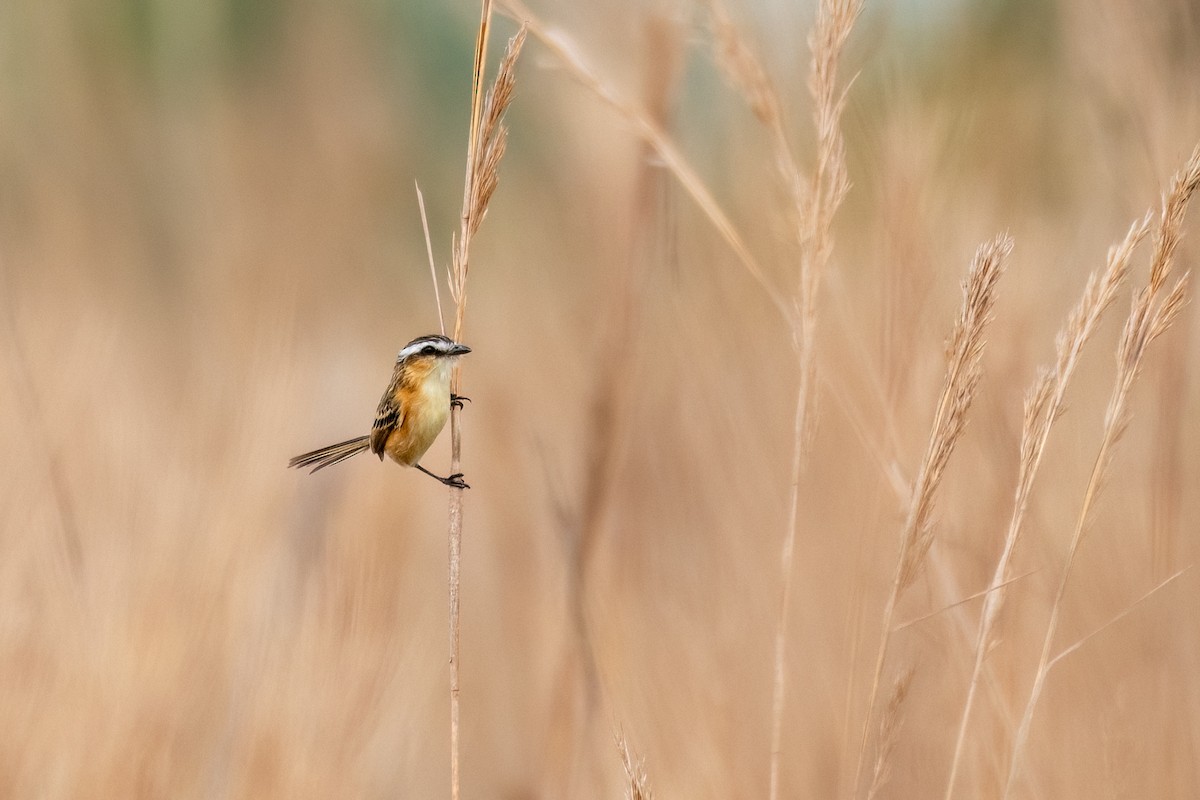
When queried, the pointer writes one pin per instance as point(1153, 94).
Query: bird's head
point(430, 355)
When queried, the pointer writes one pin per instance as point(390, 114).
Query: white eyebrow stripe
point(441, 344)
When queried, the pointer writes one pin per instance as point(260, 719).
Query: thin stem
point(785, 600)
point(650, 131)
point(437, 295)
point(455, 555)
point(1039, 680)
point(485, 149)
point(1128, 610)
point(1045, 402)
point(958, 389)
point(454, 532)
point(1153, 310)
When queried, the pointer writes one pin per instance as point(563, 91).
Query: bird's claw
point(456, 481)
point(456, 400)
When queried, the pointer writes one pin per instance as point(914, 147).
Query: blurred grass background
point(210, 253)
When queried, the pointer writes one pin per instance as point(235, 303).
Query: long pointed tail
point(333, 454)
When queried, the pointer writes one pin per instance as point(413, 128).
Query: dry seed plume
point(739, 63)
point(963, 370)
point(483, 169)
point(1151, 314)
point(958, 390)
point(889, 730)
point(637, 785)
point(1044, 404)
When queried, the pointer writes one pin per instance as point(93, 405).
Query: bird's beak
point(459, 350)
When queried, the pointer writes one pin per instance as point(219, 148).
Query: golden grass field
point(210, 252)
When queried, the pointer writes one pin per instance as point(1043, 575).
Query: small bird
point(411, 413)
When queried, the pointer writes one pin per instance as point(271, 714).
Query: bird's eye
point(428, 350)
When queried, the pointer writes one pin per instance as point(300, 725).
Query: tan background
point(211, 253)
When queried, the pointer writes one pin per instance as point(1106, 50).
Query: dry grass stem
point(963, 371)
point(1120, 616)
point(485, 149)
point(613, 396)
point(437, 292)
point(889, 730)
point(962, 601)
point(815, 207)
point(564, 49)
point(738, 61)
point(1151, 314)
point(637, 786)
point(1044, 404)
point(483, 170)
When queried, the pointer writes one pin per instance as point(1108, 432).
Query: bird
point(411, 413)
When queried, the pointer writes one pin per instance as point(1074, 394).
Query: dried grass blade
point(963, 370)
point(484, 151)
point(1148, 317)
point(637, 785)
point(1044, 404)
point(564, 49)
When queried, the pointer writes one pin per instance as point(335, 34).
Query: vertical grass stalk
point(958, 390)
point(485, 150)
point(815, 201)
point(1044, 403)
point(1153, 309)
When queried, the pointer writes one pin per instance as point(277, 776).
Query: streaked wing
point(388, 417)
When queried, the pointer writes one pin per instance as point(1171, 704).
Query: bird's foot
point(456, 481)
